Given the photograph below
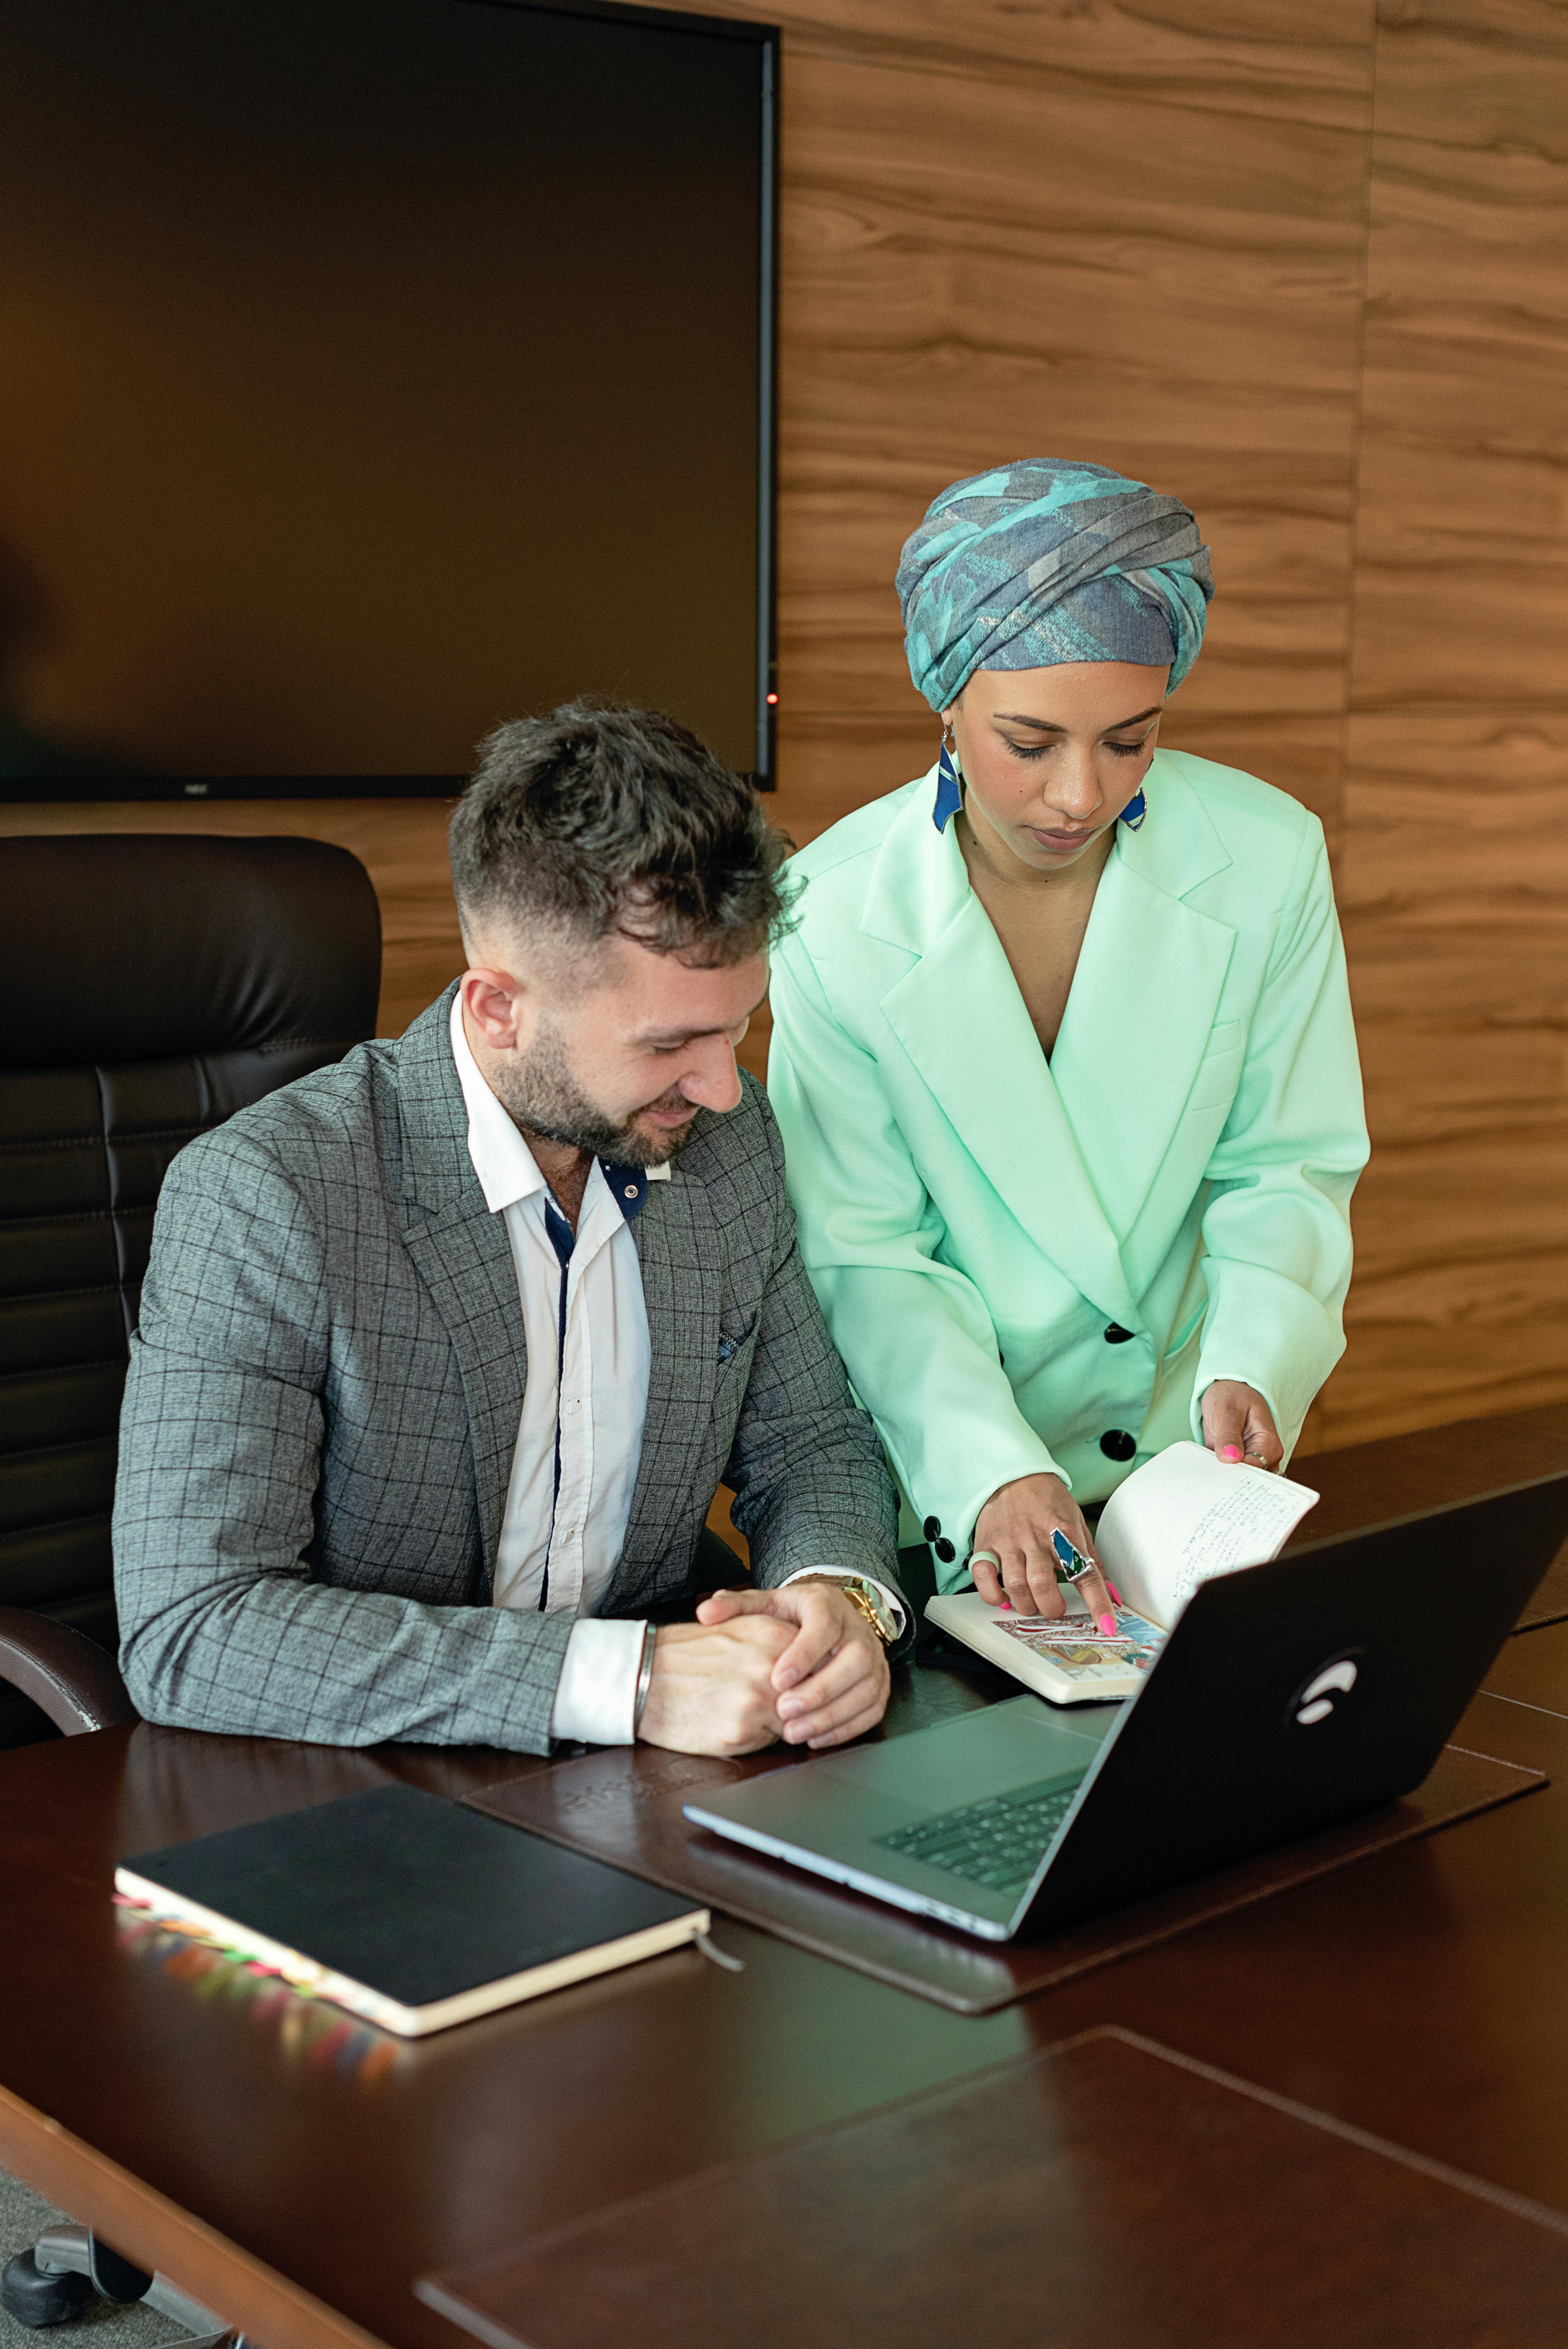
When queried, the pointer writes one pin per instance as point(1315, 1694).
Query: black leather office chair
point(151, 985)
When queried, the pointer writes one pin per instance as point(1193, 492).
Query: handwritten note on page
point(1185, 1516)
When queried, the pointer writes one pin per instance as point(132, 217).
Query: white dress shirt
point(580, 1434)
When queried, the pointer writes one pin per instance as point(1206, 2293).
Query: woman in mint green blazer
point(1062, 1050)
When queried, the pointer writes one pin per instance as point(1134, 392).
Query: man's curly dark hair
point(599, 820)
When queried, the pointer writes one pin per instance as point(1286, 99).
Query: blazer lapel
point(678, 1249)
point(464, 1257)
point(1072, 1146)
point(1142, 1010)
point(960, 1017)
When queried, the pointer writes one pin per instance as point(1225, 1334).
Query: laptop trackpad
point(1015, 1744)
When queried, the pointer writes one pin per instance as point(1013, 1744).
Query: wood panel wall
point(1454, 827)
point(1308, 268)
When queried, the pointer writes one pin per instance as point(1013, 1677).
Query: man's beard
point(541, 1093)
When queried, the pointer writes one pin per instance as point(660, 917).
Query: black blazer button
point(945, 1552)
point(931, 1528)
point(1116, 1335)
point(1117, 1445)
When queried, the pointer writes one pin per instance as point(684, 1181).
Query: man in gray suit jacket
point(444, 1350)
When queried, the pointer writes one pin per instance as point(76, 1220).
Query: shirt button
point(945, 1552)
point(574, 1407)
point(1116, 1335)
point(931, 1528)
point(1117, 1445)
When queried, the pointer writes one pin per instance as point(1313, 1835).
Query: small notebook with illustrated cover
point(1178, 1521)
point(410, 1911)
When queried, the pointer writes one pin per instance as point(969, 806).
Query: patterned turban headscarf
point(1044, 561)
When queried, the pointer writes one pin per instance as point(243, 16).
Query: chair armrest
point(68, 1676)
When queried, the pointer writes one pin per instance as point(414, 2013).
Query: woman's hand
point(1239, 1425)
point(1016, 1523)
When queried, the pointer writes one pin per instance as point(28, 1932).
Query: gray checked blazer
point(324, 1401)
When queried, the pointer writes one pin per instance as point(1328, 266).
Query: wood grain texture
point(1454, 890)
point(1309, 270)
point(1135, 235)
point(1454, 842)
point(971, 272)
point(1461, 574)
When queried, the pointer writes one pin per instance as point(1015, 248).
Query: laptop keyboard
point(998, 1843)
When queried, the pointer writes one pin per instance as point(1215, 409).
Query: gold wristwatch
point(868, 1600)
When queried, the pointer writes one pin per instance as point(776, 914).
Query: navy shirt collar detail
point(628, 1187)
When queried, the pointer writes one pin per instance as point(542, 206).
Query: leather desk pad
point(624, 1804)
point(1549, 1601)
point(1108, 2193)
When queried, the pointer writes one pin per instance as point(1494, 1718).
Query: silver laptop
point(1287, 1696)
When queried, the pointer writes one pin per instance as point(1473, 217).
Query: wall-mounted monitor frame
point(36, 766)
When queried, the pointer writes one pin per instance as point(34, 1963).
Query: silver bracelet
point(644, 1677)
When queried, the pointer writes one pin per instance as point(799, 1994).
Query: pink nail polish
point(1230, 1451)
point(1008, 1603)
point(1108, 1625)
point(1115, 1594)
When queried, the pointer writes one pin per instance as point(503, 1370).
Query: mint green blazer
point(981, 1225)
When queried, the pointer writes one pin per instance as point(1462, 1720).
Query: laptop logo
point(1315, 1700)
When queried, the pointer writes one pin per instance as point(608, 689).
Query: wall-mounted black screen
point(373, 371)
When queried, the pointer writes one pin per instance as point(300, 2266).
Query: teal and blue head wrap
point(1044, 561)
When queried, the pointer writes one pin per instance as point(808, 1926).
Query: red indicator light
point(773, 699)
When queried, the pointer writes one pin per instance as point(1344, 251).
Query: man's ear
point(494, 1000)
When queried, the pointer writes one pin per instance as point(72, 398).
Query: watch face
point(876, 1603)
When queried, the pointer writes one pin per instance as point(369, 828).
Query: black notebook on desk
point(413, 1912)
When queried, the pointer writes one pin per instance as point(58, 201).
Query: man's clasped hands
point(799, 1664)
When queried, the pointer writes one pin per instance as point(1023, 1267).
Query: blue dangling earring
point(949, 790)
point(1136, 808)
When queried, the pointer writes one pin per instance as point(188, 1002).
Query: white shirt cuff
point(896, 1607)
point(596, 1695)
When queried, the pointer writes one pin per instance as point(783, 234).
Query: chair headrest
point(118, 946)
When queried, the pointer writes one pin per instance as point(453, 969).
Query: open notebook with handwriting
point(1176, 1522)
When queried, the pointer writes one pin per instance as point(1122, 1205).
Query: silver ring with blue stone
point(1071, 1564)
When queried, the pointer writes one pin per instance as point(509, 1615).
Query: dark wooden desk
point(299, 2173)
